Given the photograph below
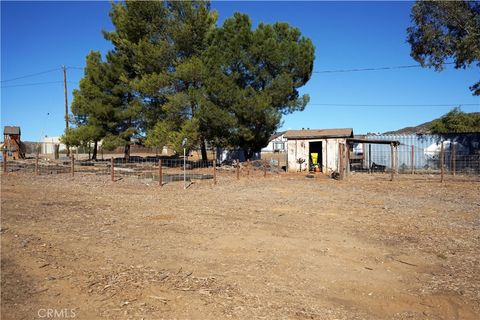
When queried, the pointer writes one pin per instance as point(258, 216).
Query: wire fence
point(444, 159)
point(162, 170)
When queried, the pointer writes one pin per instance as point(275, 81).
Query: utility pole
point(66, 102)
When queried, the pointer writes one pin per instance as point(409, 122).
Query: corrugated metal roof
point(319, 133)
point(11, 130)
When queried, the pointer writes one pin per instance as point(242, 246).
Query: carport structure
point(350, 156)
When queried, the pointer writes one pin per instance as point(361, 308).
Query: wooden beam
point(392, 162)
point(214, 172)
point(413, 159)
point(442, 160)
point(160, 173)
point(113, 169)
point(454, 159)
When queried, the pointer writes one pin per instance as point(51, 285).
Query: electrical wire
point(393, 105)
point(35, 84)
point(374, 69)
point(31, 75)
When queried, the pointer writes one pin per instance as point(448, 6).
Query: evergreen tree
point(141, 51)
point(446, 29)
point(254, 78)
point(190, 23)
point(172, 74)
point(93, 106)
point(456, 121)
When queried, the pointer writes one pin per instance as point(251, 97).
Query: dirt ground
point(281, 247)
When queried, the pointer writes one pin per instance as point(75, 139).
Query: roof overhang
point(318, 134)
point(383, 141)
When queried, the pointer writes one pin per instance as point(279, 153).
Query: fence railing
point(165, 170)
point(408, 159)
point(161, 170)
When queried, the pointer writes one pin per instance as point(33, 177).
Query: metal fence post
point(442, 160)
point(113, 169)
point(160, 177)
point(248, 167)
point(265, 169)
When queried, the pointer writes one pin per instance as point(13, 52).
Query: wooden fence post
point(72, 169)
point(454, 160)
point(160, 176)
point(36, 164)
point(214, 172)
point(370, 158)
point(248, 167)
point(326, 157)
point(4, 161)
point(347, 159)
point(392, 162)
point(364, 155)
point(113, 169)
point(442, 160)
point(340, 161)
point(396, 159)
point(413, 159)
point(238, 169)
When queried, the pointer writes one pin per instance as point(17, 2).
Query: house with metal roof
point(316, 150)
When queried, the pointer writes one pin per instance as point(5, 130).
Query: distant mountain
point(421, 128)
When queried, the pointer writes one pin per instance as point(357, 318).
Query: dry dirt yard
point(283, 247)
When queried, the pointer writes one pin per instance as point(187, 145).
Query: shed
point(316, 149)
point(13, 147)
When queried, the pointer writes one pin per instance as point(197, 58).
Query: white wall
point(48, 145)
point(300, 149)
point(270, 146)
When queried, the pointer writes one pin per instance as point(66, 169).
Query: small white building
point(277, 143)
point(320, 147)
point(48, 145)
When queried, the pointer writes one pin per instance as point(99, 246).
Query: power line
point(318, 72)
point(374, 69)
point(31, 75)
point(393, 105)
point(38, 73)
point(34, 84)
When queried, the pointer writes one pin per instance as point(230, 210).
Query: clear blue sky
point(39, 36)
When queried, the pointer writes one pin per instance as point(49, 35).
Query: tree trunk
point(95, 147)
point(203, 148)
point(248, 153)
point(127, 152)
